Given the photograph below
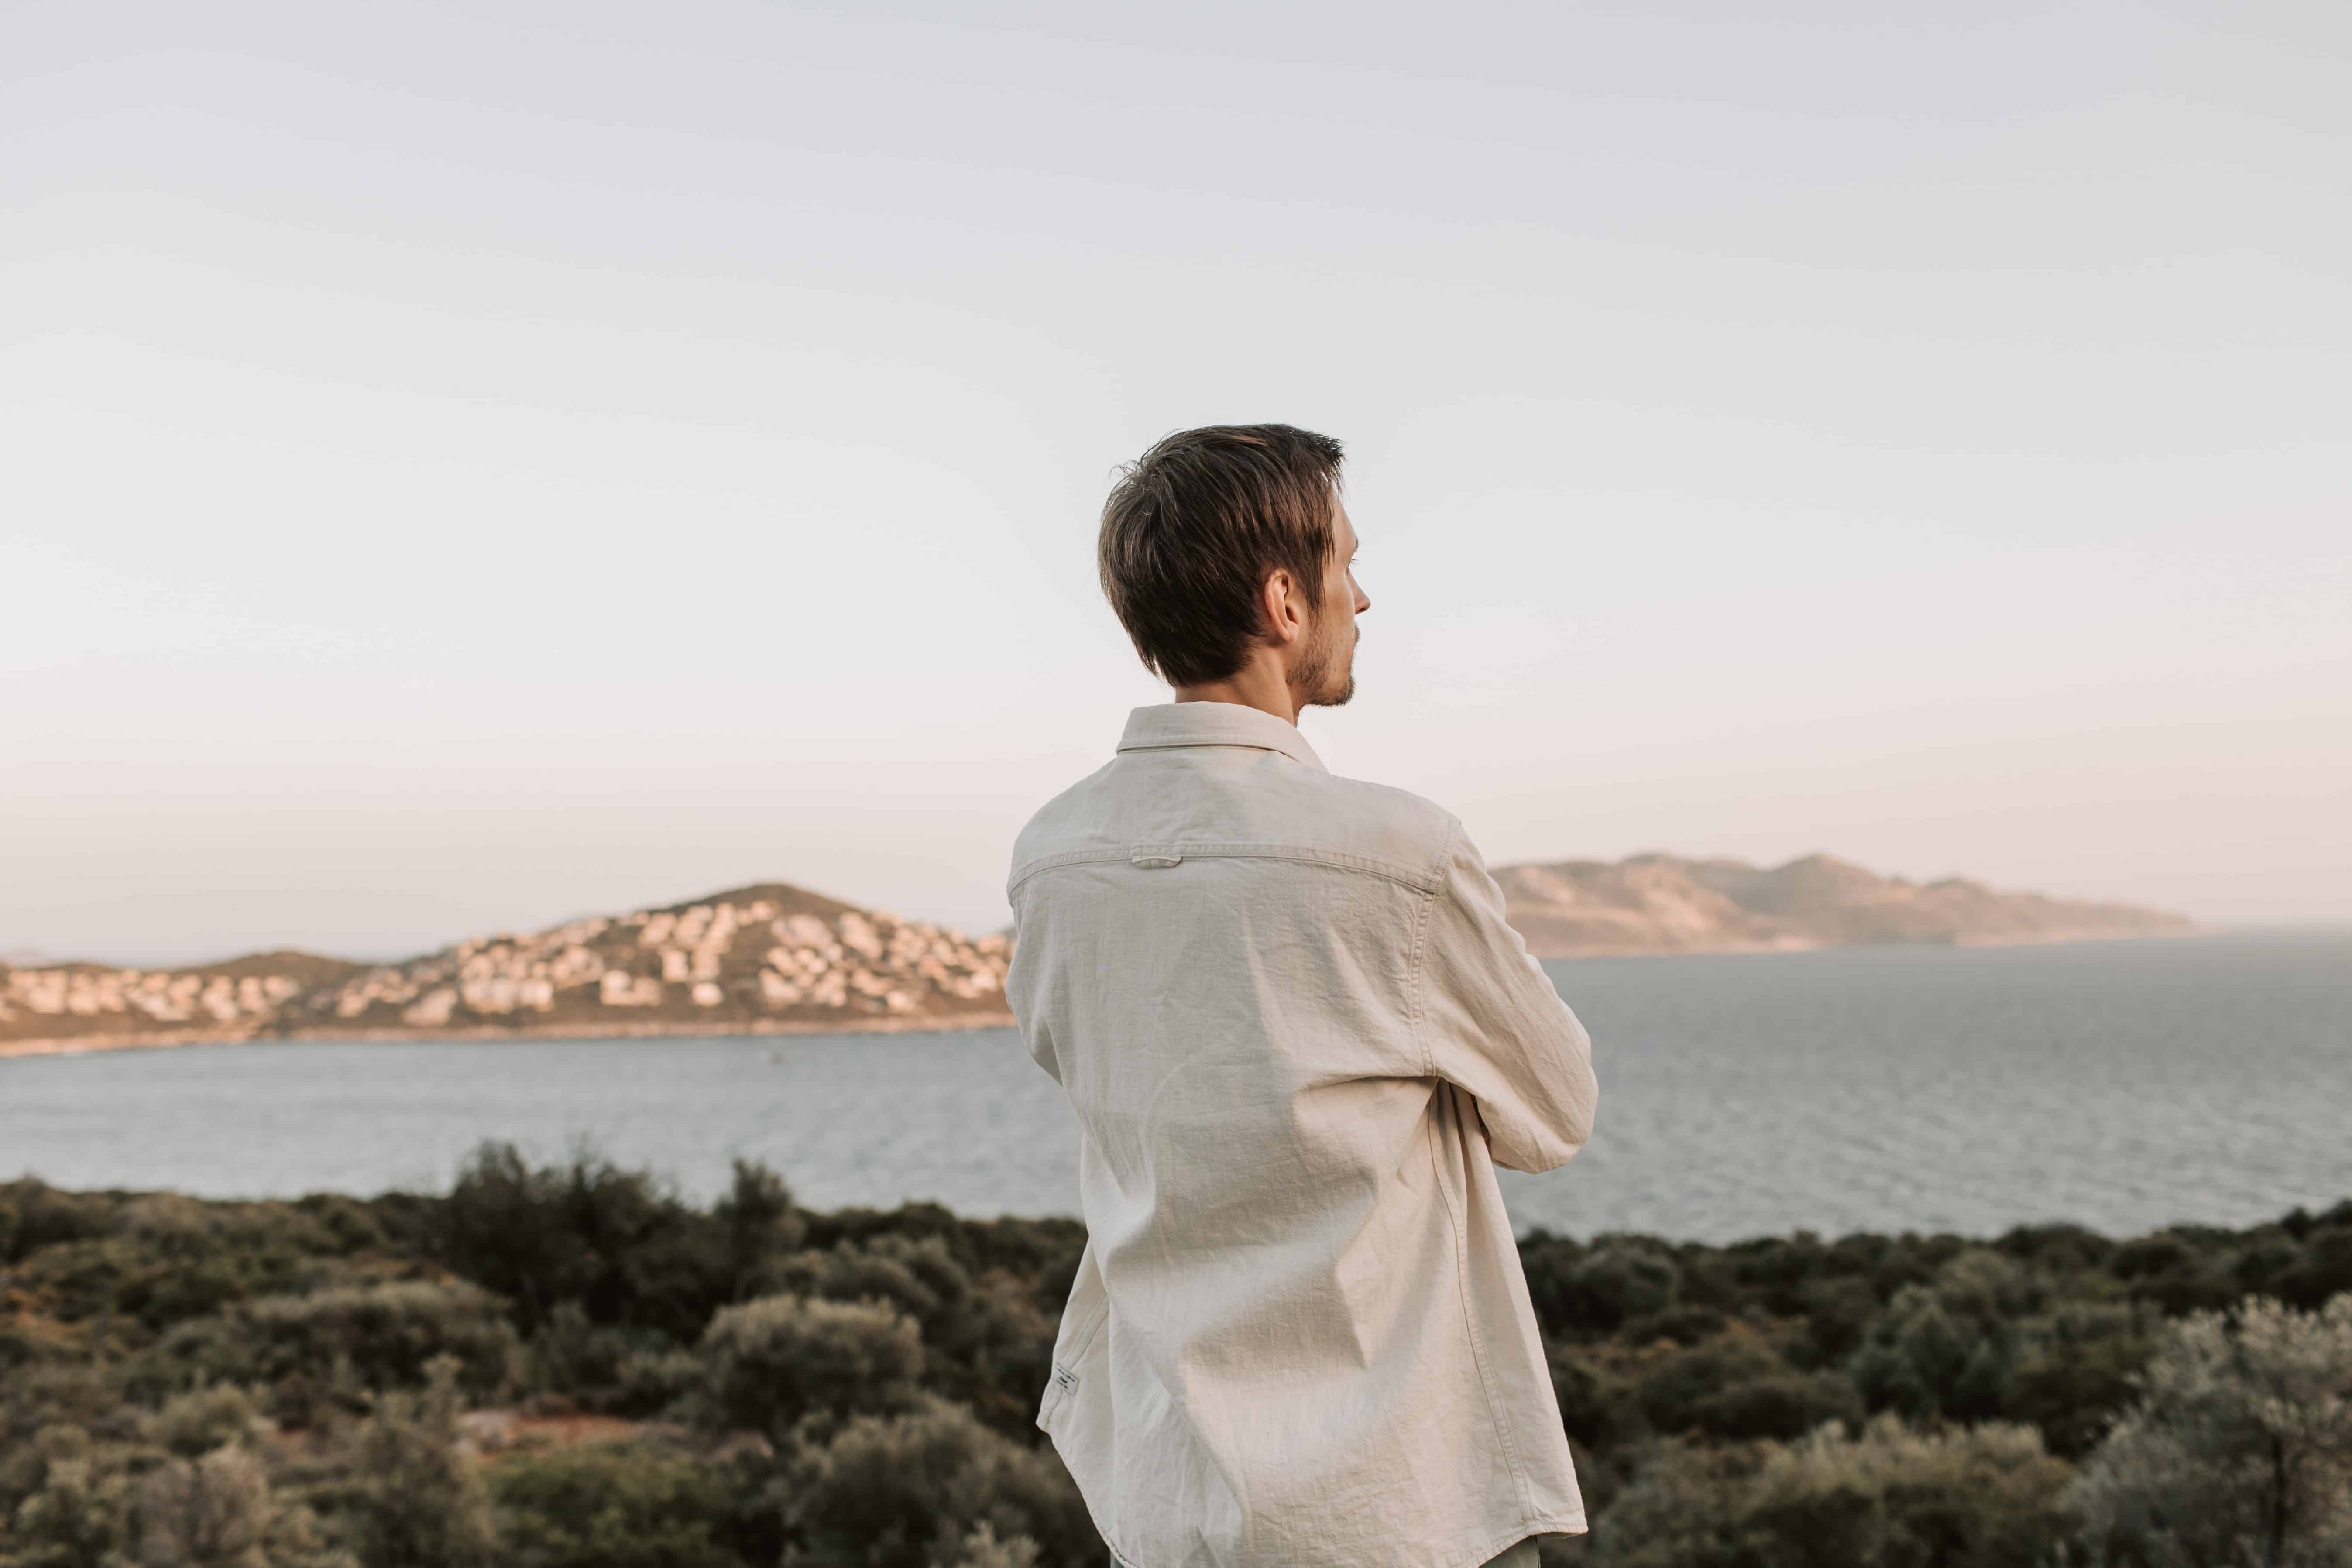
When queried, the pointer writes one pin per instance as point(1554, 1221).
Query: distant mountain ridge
point(771, 958)
point(1665, 903)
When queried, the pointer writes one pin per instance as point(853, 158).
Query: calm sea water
point(2121, 1085)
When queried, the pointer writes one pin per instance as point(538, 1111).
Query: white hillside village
point(645, 960)
point(772, 956)
point(163, 996)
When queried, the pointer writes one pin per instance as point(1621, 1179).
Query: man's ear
point(1277, 605)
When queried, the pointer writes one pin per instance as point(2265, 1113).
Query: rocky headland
point(1665, 903)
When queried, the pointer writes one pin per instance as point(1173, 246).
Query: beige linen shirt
point(1299, 1036)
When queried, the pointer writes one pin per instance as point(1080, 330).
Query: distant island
point(773, 958)
point(1664, 903)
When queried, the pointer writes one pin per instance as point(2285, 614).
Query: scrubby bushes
point(33, 1216)
point(251, 1384)
point(570, 1366)
point(2237, 1450)
point(1982, 1497)
point(920, 1488)
point(218, 1510)
point(618, 1244)
point(364, 1336)
point(619, 1371)
point(630, 1504)
point(412, 1500)
point(70, 1509)
point(772, 1361)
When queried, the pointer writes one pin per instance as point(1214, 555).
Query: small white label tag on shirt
point(1065, 1379)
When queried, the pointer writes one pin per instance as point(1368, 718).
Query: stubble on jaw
point(1322, 681)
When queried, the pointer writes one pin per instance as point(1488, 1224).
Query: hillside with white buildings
point(767, 958)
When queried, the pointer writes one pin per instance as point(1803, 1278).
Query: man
point(1298, 1036)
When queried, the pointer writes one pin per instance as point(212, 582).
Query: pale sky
point(464, 465)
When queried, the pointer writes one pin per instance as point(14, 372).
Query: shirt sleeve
point(1494, 1026)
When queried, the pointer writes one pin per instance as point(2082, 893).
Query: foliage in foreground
point(569, 1367)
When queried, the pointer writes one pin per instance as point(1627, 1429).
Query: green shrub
point(912, 1490)
point(1671, 1385)
point(2073, 1371)
point(542, 1236)
point(1548, 1260)
point(377, 1336)
point(619, 1371)
point(1891, 1497)
point(760, 1220)
point(65, 1507)
point(987, 1343)
point(1784, 1404)
point(1771, 1271)
point(1683, 1325)
point(1948, 1348)
point(2237, 1450)
point(34, 1214)
point(980, 1548)
point(2325, 1269)
point(1597, 1408)
point(618, 1242)
point(917, 1275)
point(414, 1502)
point(1619, 1278)
point(2056, 1248)
point(56, 1395)
point(350, 1224)
point(218, 1512)
point(619, 1506)
point(1736, 1387)
point(161, 1258)
point(2178, 1270)
point(1838, 1312)
point(769, 1363)
point(196, 1422)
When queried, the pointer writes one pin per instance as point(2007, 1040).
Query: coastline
point(1756, 948)
point(650, 1029)
point(89, 1044)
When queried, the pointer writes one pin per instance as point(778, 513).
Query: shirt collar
point(1168, 724)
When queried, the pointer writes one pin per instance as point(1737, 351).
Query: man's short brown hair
point(1195, 527)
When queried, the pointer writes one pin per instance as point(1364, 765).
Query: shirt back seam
point(1339, 860)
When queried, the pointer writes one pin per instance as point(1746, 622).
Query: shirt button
point(1155, 862)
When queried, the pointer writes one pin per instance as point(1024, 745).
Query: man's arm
point(1494, 1026)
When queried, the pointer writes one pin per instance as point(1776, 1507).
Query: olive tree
point(2238, 1451)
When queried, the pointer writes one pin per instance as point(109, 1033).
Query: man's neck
point(1262, 684)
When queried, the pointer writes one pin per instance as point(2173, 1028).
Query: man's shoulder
point(1291, 806)
point(1411, 828)
point(1075, 817)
